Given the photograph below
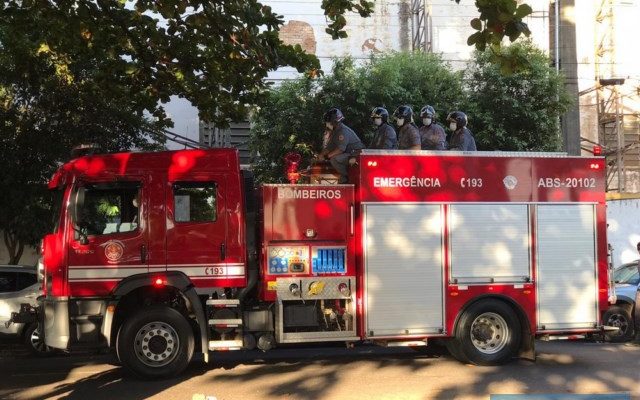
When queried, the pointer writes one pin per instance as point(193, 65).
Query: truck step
point(225, 345)
point(404, 343)
point(225, 323)
point(223, 303)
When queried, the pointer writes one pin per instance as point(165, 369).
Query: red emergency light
point(597, 150)
point(292, 160)
point(158, 282)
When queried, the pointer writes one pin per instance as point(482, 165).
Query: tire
point(619, 316)
point(454, 347)
point(34, 341)
point(488, 333)
point(157, 342)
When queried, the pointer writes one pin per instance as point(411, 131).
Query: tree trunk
point(15, 247)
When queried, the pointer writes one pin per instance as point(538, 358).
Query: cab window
point(109, 208)
point(26, 279)
point(8, 282)
point(195, 201)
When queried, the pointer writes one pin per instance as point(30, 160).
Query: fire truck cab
point(161, 255)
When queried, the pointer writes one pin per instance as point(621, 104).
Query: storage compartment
point(489, 243)
point(403, 269)
point(566, 270)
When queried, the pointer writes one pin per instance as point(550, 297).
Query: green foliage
point(520, 111)
point(291, 117)
point(214, 54)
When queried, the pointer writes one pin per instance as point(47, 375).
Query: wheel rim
point(619, 321)
point(156, 344)
point(489, 333)
point(36, 341)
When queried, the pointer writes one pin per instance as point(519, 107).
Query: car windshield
point(627, 274)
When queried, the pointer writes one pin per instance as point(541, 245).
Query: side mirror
point(77, 205)
point(76, 214)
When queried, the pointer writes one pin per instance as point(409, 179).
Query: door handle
point(223, 251)
point(143, 254)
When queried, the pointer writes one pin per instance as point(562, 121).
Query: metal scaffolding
point(421, 26)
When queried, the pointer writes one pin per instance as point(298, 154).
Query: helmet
point(458, 117)
point(403, 112)
point(427, 112)
point(334, 115)
point(380, 112)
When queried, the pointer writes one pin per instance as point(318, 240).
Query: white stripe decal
point(108, 266)
point(207, 271)
point(104, 273)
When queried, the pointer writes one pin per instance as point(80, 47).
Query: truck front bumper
point(55, 322)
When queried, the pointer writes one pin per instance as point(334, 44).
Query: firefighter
point(462, 138)
point(408, 135)
point(432, 135)
point(342, 143)
point(385, 137)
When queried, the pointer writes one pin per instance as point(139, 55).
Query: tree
point(290, 119)
point(44, 113)
point(520, 111)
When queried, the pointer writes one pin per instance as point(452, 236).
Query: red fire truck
point(162, 255)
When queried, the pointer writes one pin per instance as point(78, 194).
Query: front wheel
point(488, 333)
point(156, 342)
point(35, 341)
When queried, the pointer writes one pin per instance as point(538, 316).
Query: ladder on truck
point(225, 324)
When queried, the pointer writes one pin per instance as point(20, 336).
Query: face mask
point(400, 121)
point(328, 125)
point(426, 121)
point(453, 126)
point(377, 121)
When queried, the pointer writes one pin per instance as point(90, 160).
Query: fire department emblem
point(510, 182)
point(113, 250)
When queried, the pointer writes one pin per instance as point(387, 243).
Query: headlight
point(40, 270)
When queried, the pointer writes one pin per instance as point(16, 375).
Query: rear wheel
point(156, 342)
point(488, 333)
point(619, 317)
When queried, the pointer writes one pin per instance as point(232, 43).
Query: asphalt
point(331, 372)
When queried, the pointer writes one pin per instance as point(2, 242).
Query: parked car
point(627, 280)
point(19, 284)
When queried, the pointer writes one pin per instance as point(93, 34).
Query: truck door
point(108, 235)
point(197, 229)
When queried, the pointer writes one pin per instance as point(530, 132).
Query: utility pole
point(568, 61)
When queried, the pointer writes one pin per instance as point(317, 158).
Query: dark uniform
point(433, 137)
point(345, 139)
point(385, 138)
point(408, 136)
point(462, 140)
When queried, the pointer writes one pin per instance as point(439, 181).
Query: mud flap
point(528, 347)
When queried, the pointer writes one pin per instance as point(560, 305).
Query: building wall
point(390, 29)
point(623, 231)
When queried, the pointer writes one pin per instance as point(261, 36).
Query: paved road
point(331, 373)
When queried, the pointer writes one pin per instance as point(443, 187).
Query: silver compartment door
point(403, 269)
point(567, 293)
